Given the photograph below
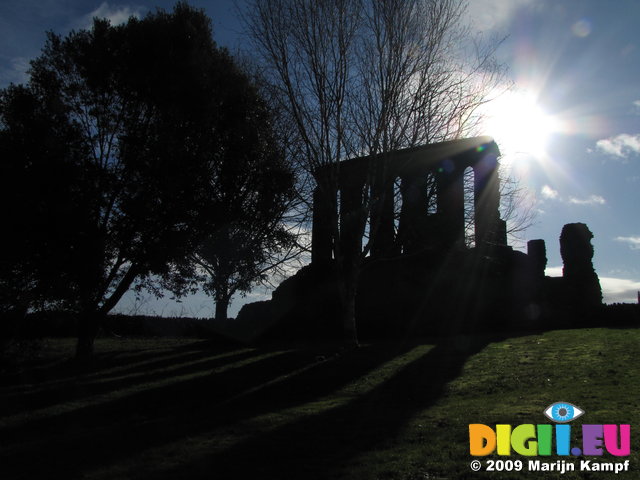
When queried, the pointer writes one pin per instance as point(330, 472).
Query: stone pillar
point(451, 205)
point(352, 218)
point(537, 252)
point(490, 229)
point(322, 232)
point(382, 221)
point(414, 208)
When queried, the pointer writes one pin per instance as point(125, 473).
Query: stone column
point(414, 208)
point(537, 253)
point(352, 217)
point(490, 229)
point(381, 225)
point(451, 205)
point(322, 231)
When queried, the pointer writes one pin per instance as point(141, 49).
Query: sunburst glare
point(519, 124)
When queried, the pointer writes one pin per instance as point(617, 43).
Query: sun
point(519, 125)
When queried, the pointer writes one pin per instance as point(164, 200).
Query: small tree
point(239, 256)
point(157, 115)
point(364, 77)
point(254, 241)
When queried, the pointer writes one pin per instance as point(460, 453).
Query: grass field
point(188, 409)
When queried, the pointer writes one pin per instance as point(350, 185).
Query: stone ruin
point(431, 195)
point(436, 265)
point(581, 280)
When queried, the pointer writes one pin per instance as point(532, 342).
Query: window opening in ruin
point(469, 208)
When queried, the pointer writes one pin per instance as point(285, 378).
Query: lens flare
point(519, 124)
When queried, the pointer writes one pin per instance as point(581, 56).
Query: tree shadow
point(70, 370)
point(109, 432)
point(313, 446)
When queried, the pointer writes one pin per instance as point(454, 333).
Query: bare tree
point(517, 207)
point(361, 77)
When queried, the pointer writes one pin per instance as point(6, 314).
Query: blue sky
point(575, 65)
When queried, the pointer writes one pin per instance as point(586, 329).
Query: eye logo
point(562, 412)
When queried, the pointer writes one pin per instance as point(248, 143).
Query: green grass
point(163, 408)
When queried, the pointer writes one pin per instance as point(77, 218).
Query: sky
point(569, 130)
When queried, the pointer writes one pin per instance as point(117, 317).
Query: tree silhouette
point(39, 158)
point(161, 121)
point(254, 240)
point(240, 254)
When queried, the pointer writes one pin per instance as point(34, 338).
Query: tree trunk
point(90, 319)
point(222, 305)
point(88, 326)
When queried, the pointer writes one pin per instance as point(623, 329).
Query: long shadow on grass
point(138, 360)
point(77, 389)
point(315, 445)
point(108, 433)
point(178, 393)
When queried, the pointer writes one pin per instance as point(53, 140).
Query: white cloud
point(592, 200)
point(550, 193)
point(614, 290)
point(553, 271)
point(634, 242)
point(620, 146)
point(116, 14)
point(619, 290)
point(637, 105)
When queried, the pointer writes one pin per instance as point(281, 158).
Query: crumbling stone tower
point(581, 280)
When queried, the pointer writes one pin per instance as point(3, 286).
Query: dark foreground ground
point(191, 409)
